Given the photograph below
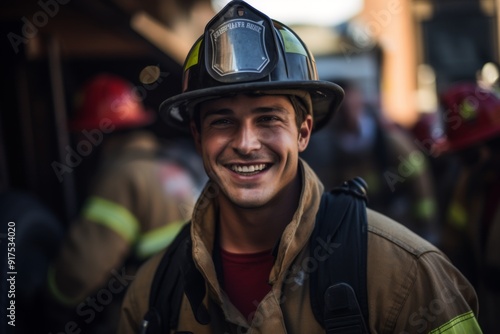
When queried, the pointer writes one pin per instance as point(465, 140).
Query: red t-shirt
point(246, 279)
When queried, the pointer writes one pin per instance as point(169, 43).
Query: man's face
point(250, 146)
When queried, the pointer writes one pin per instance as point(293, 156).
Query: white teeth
point(248, 169)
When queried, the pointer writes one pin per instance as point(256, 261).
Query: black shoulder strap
point(175, 276)
point(339, 241)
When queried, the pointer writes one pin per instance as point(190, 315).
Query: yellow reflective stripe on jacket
point(113, 216)
point(457, 216)
point(425, 208)
point(155, 240)
point(417, 159)
point(56, 293)
point(464, 323)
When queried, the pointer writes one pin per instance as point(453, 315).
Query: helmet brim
point(470, 140)
point(326, 97)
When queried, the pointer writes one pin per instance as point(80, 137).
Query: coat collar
point(293, 239)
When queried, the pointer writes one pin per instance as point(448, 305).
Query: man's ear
point(196, 135)
point(305, 131)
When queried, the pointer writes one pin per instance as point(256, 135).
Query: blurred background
point(401, 55)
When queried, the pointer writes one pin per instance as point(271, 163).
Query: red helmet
point(471, 115)
point(109, 97)
point(427, 126)
point(428, 130)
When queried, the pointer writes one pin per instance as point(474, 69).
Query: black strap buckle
point(342, 311)
point(356, 186)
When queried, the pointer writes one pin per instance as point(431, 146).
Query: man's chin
point(248, 201)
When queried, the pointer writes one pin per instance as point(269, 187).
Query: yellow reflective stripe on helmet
point(467, 110)
point(113, 216)
point(425, 208)
point(155, 240)
point(464, 323)
point(193, 55)
point(56, 293)
point(292, 43)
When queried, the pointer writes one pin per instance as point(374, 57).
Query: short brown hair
point(298, 105)
point(300, 109)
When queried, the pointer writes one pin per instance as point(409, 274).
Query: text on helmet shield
point(238, 46)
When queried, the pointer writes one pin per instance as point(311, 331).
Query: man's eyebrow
point(216, 112)
point(259, 110)
point(272, 108)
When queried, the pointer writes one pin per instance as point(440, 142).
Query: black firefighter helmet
point(243, 50)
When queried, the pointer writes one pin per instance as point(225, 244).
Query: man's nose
point(246, 139)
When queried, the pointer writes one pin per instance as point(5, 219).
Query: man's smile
point(248, 169)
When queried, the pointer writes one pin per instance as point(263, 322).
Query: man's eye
point(221, 121)
point(268, 119)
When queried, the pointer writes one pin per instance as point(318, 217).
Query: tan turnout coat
point(412, 286)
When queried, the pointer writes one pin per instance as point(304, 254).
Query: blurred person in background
point(429, 136)
point(140, 197)
point(363, 143)
point(471, 117)
point(30, 235)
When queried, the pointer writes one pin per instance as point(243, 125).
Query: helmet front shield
point(240, 45)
